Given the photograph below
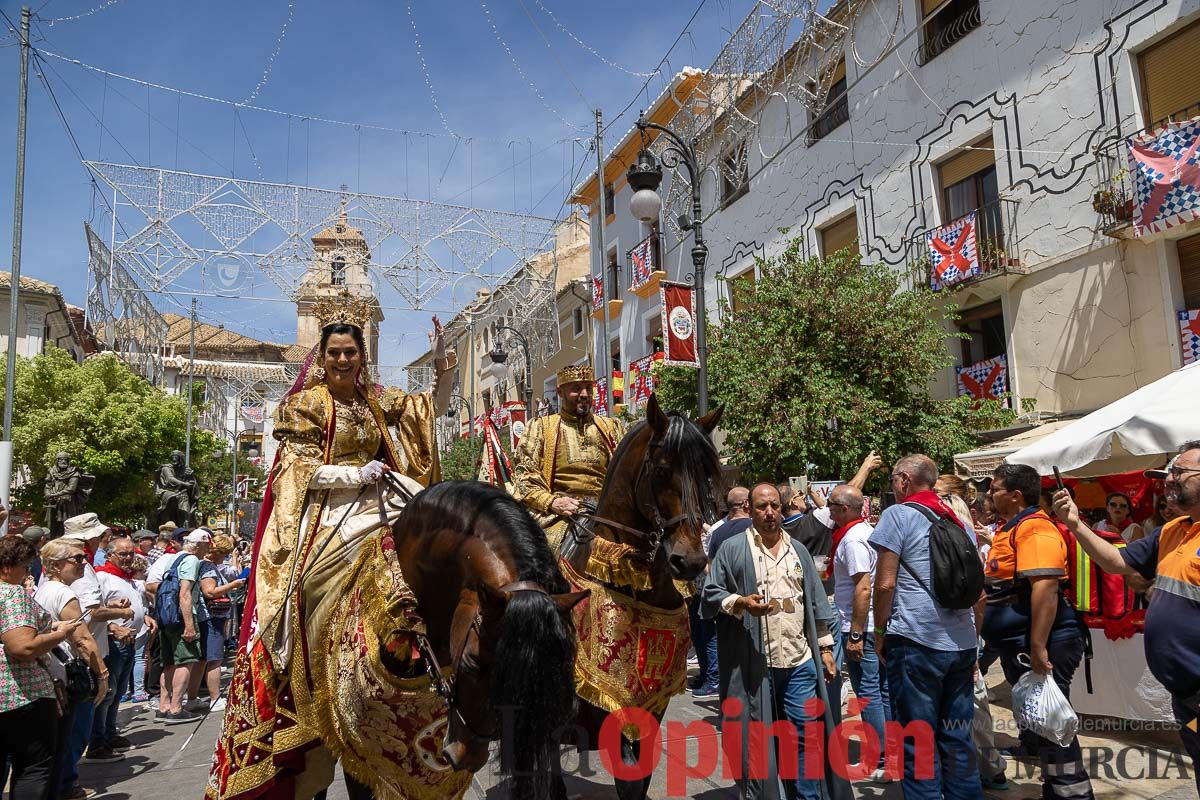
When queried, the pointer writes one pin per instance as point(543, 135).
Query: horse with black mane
point(636, 553)
point(461, 593)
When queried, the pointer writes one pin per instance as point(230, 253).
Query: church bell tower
point(339, 264)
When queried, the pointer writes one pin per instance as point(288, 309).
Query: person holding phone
point(63, 561)
point(1169, 558)
point(29, 727)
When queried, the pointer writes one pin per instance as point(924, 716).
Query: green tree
point(113, 423)
point(460, 462)
point(825, 360)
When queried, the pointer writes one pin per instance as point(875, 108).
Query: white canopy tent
point(1139, 431)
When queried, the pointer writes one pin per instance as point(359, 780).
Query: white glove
point(372, 472)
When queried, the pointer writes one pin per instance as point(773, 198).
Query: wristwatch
point(856, 637)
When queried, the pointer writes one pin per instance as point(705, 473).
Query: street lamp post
point(470, 413)
point(499, 357)
point(644, 177)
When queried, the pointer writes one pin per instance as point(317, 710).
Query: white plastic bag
point(1040, 706)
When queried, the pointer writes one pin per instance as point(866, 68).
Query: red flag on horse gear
point(679, 325)
point(496, 468)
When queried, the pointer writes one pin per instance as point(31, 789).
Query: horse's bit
point(447, 688)
point(647, 506)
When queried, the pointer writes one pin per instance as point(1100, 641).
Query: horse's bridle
point(647, 506)
point(447, 687)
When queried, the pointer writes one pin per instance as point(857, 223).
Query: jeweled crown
point(344, 309)
point(574, 374)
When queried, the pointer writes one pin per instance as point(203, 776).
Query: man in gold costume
point(563, 457)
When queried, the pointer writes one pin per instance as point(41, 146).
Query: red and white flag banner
point(600, 402)
point(679, 325)
point(597, 293)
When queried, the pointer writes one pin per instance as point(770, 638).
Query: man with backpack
point(179, 611)
point(1028, 615)
point(927, 579)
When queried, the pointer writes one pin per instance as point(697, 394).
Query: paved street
point(172, 762)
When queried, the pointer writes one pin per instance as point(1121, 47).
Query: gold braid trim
point(610, 562)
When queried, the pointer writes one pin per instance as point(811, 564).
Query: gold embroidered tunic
point(563, 455)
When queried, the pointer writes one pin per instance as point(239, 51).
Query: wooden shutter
point(1171, 74)
point(929, 6)
point(740, 289)
point(838, 235)
point(967, 163)
point(1189, 270)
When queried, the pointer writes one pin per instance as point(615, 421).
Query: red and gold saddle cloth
point(387, 730)
point(631, 655)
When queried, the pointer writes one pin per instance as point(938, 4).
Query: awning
point(1137, 432)
point(980, 463)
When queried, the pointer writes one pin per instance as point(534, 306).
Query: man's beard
point(582, 408)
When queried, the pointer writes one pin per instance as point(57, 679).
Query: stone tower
point(339, 265)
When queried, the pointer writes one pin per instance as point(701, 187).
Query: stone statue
point(178, 493)
point(67, 489)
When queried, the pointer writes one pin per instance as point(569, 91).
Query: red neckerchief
point(113, 569)
point(838, 535)
point(170, 550)
point(930, 500)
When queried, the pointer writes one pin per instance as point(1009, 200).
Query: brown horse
point(495, 610)
point(658, 493)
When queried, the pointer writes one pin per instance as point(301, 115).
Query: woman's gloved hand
point(372, 472)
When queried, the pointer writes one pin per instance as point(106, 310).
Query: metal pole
point(605, 350)
point(699, 257)
point(187, 447)
point(14, 290)
point(471, 371)
point(233, 499)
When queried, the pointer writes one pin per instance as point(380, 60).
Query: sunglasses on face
point(1118, 505)
point(78, 558)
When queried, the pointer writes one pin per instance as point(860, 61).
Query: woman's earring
point(319, 374)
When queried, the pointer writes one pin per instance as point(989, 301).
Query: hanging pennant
point(679, 325)
point(641, 384)
point(1165, 165)
point(600, 404)
point(641, 260)
point(597, 294)
point(953, 254)
point(1189, 335)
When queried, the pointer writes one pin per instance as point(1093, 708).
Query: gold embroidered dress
point(563, 455)
point(320, 514)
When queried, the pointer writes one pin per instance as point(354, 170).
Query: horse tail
point(533, 689)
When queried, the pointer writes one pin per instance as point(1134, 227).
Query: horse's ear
point(710, 420)
point(655, 416)
point(568, 601)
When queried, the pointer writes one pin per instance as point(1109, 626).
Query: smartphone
point(889, 499)
point(1058, 479)
point(799, 484)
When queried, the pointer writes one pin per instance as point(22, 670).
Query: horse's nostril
point(678, 563)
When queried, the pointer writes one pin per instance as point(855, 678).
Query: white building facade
point(1013, 110)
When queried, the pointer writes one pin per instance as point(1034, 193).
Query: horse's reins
point(447, 688)
point(646, 505)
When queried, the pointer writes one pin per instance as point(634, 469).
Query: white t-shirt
point(1127, 534)
point(117, 588)
point(88, 592)
point(160, 567)
point(854, 555)
point(53, 596)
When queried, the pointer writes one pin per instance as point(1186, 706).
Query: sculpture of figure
point(178, 493)
point(67, 489)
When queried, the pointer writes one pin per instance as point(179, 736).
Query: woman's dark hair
point(343, 328)
point(1128, 502)
point(15, 551)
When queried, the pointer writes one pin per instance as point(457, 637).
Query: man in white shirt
point(116, 581)
point(853, 570)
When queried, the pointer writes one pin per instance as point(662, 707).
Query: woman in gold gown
point(321, 503)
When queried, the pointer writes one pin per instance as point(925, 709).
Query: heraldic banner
point(984, 379)
point(1165, 167)
point(641, 384)
point(641, 259)
point(597, 294)
point(1189, 335)
point(679, 325)
point(600, 403)
point(953, 253)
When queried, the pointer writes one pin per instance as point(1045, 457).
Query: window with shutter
point(740, 290)
point(1189, 270)
point(840, 234)
point(946, 22)
point(1171, 77)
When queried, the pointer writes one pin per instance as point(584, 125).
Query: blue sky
point(354, 61)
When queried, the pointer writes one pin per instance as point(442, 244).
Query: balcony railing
point(947, 35)
point(997, 243)
point(834, 115)
point(1113, 198)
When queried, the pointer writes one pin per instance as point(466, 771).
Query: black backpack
point(954, 566)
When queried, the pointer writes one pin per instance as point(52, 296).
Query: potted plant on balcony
point(1110, 199)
